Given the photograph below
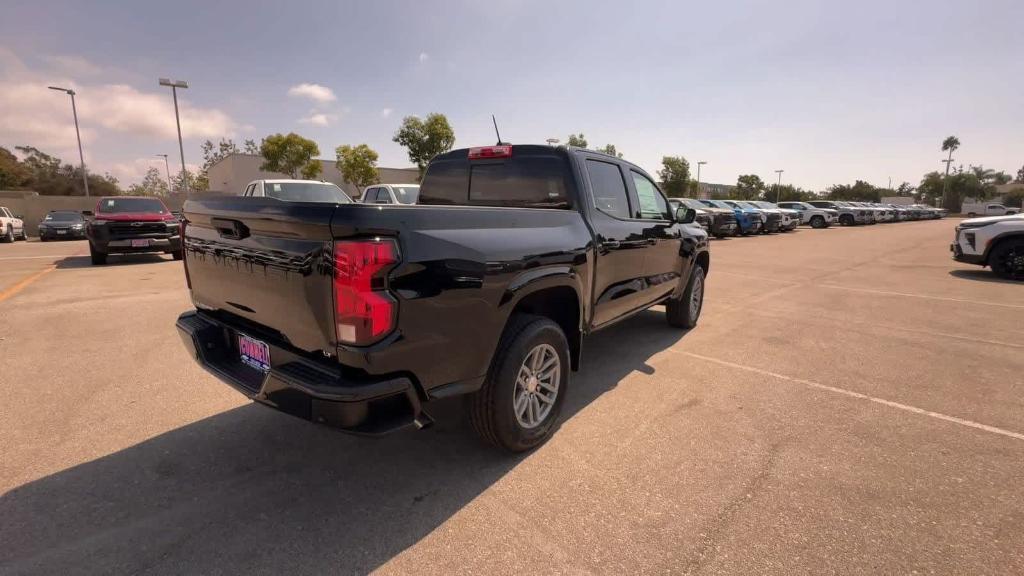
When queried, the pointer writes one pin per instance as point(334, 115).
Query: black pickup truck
point(357, 315)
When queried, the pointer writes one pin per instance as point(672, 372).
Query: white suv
point(995, 241)
point(391, 194)
point(11, 227)
point(812, 215)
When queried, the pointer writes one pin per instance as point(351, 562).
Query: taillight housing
point(364, 311)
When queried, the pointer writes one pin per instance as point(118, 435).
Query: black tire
point(9, 235)
point(846, 220)
point(818, 222)
point(98, 258)
point(678, 311)
point(1007, 259)
point(492, 410)
point(971, 214)
point(179, 255)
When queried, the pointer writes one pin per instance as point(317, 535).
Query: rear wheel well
point(562, 306)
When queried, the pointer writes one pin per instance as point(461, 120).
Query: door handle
point(611, 244)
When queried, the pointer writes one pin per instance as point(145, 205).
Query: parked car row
point(723, 218)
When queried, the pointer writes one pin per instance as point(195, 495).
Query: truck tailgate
point(265, 261)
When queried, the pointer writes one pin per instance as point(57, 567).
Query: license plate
point(62, 231)
point(254, 353)
point(140, 243)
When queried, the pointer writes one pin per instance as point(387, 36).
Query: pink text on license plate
point(140, 243)
point(254, 353)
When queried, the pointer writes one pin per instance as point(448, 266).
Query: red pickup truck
point(132, 225)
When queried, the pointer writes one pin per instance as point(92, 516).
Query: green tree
point(250, 147)
point(358, 165)
point(610, 150)
point(748, 187)
point(674, 174)
point(153, 184)
point(196, 182)
point(905, 189)
point(426, 138)
point(950, 144)
point(860, 191)
point(1020, 175)
point(1015, 197)
point(292, 155)
point(13, 174)
point(787, 193)
point(577, 140)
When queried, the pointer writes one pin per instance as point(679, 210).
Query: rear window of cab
point(526, 179)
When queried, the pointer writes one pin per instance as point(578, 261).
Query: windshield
point(746, 205)
point(63, 217)
point(406, 194)
point(306, 192)
point(126, 205)
point(764, 204)
point(695, 204)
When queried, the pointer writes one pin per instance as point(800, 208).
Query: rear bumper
point(301, 387)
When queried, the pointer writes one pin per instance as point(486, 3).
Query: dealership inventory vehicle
point(812, 215)
point(62, 225)
point(391, 194)
point(993, 241)
point(772, 219)
point(703, 218)
point(11, 227)
point(722, 221)
point(848, 215)
point(357, 316)
point(132, 225)
point(748, 220)
point(973, 209)
point(790, 218)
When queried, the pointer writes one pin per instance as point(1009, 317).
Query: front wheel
point(9, 236)
point(1007, 259)
point(179, 255)
point(518, 405)
point(683, 312)
point(818, 222)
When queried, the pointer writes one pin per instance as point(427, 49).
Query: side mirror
point(685, 215)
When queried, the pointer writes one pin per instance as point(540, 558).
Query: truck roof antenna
point(500, 143)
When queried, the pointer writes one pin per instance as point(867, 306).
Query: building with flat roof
point(230, 174)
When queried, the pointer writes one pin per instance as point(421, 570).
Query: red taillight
point(363, 310)
point(490, 152)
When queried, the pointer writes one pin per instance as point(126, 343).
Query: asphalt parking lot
point(852, 402)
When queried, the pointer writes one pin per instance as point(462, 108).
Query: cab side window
point(651, 205)
point(608, 188)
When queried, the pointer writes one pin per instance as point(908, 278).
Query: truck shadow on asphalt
point(251, 490)
point(71, 262)
point(982, 276)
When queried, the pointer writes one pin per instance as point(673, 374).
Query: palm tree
point(951, 143)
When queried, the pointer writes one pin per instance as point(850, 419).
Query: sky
point(829, 92)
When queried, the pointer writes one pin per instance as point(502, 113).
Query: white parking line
point(859, 396)
point(943, 298)
point(53, 257)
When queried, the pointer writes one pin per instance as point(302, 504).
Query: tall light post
point(699, 164)
point(778, 187)
point(167, 167)
point(175, 84)
point(74, 111)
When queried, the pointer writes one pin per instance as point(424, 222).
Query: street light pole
point(81, 156)
point(181, 148)
point(167, 167)
point(778, 187)
point(699, 164)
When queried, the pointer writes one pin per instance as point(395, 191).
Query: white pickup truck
point(995, 241)
point(11, 227)
point(987, 209)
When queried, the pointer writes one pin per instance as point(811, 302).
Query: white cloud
point(30, 114)
point(319, 119)
point(386, 112)
point(314, 92)
point(424, 57)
